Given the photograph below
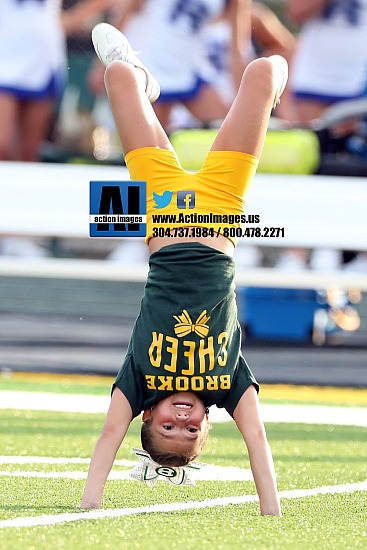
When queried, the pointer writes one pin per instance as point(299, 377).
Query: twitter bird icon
point(161, 201)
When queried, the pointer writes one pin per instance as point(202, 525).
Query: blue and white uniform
point(32, 49)
point(330, 63)
point(168, 34)
point(217, 44)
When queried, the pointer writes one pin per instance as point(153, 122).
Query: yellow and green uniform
point(187, 336)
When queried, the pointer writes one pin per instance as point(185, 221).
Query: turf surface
point(306, 457)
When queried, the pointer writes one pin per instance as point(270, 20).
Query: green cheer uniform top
point(186, 336)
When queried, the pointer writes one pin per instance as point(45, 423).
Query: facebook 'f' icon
point(185, 199)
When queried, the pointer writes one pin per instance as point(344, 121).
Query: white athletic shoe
point(282, 67)
point(110, 45)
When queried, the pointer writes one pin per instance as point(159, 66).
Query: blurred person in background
point(168, 36)
point(330, 62)
point(269, 36)
point(33, 69)
point(33, 75)
point(357, 264)
point(329, 66)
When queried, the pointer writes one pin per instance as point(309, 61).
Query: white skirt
point(331, 59)
point(32, 48)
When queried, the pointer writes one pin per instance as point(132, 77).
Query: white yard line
point(58, 402)
point(209, 473)
point(59, 460)
point(173, 506)
point(310, 414)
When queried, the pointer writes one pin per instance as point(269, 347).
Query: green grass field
point(307, 457)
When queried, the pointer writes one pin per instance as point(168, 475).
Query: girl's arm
point(238, 14)
point(270, 33)
point(73, 19)
point(127, 8)
point(117, 422)
point(298, 11)
point(247, 418)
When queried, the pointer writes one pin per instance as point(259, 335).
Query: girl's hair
point(166, 458)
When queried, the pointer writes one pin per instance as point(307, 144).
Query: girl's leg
point(309, 110)
point(131, 89)
point(9, 114)
point(245, 126)
point(163, 112)
point(136, 122)
point(208, 106)
point(34, 123)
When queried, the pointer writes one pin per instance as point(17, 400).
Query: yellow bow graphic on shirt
point(184, 324)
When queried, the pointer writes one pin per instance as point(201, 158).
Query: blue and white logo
point(186, 199)
point(161, 201)
point(117, 209)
